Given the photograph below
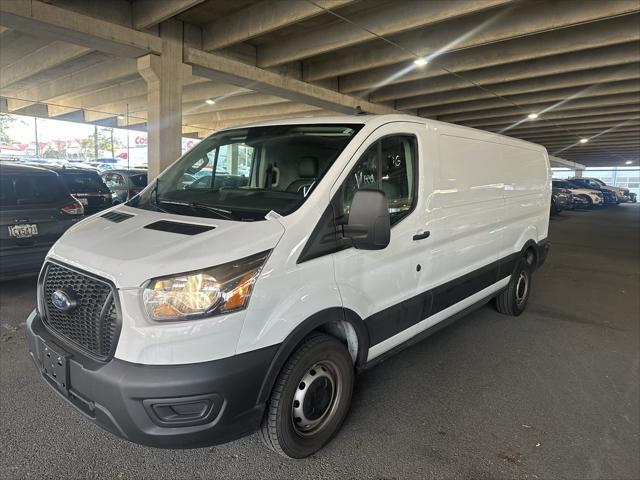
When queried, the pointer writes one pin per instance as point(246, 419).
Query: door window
point(388, 165)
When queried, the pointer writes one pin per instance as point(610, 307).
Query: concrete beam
point(147, 13)
point(543, 109)
point(237, 73)
point(231, 103)
point(214, 126)
point(118, 92)
point(288, 108)
point(568, 128)
point(137, 107)
point(613, 32)
point(119, 11)
point(261, 18)
point(390, 20)
point(101, 74)
point(561, 162)
point(592, 114)
point(582, 80)
point(34, 16)
point(164, 96)
point(568, 123)
point(540, 67)
point(523, 99)
point(525, 19)
point(613, 142)
point(565, 136)
point(42, 59)
point(16, 45)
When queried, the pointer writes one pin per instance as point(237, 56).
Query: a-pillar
point(164, 76)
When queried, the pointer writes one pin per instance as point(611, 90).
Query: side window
point(388, 165)
point(113, 180)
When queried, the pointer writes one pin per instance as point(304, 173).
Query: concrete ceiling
point(491, 63)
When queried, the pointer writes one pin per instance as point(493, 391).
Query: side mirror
point(368, 226)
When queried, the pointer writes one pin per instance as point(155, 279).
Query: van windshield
point(246, 173)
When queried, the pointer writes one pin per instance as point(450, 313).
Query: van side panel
point(489, 198)
point(466, 214)
point(527, 193)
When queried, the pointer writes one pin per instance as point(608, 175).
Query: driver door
point(381, 286)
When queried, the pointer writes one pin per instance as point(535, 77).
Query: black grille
point(93, 324)
point(116, 217)
point(177, 227)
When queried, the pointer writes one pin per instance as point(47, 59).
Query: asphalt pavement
point(552, 394)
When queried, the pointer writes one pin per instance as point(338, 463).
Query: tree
point(5, 122)
point(88, 143)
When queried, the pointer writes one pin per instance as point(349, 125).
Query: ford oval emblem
point(63, 300)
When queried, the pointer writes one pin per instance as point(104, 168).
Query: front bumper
point(580, 202)
point(166, 406)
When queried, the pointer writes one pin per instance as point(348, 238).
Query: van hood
point(129, 253)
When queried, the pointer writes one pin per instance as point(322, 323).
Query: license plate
point(55, 365)
point(24, 230)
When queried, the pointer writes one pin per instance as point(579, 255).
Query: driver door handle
point(422, 236)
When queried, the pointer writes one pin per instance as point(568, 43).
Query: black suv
point(35, 210)
point(86, 185)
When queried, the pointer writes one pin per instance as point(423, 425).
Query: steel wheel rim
point(522, 288)
point(316, 398)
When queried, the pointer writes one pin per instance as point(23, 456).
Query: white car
point(622, 194)
point(189, 317)
point(593, 198)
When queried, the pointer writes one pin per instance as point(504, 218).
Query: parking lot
point(551, 394)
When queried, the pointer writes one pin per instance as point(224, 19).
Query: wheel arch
point(331, 321)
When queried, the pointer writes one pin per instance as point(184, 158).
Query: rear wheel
point(310, 399)
point(589, 201)
point(513, 299)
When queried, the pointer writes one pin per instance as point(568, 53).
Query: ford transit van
point(246, 286)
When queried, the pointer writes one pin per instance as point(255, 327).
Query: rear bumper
point(22, 262)
point(166, 406)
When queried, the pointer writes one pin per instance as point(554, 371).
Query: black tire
point(513, 299)
point(589, 201)
point(327, 363)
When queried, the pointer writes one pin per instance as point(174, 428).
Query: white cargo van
point(245, 288)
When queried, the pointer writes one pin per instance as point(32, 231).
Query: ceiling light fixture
point(532, 116)
point(210, 101)
point(584, 140)
point(421, 62)
point(120, 117)
point(628, 162)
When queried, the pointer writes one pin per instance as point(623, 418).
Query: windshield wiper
point(154, 194)
point(222, 213)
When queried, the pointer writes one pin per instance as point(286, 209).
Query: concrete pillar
point(233, 164)
point(579, 173)
point(163, 74)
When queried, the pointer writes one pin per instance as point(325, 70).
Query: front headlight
point(214, 291)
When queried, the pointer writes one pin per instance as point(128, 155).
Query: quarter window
point(388, 165)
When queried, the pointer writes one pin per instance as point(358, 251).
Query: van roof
point(376, 120)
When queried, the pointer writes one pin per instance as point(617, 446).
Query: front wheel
point(513, 299)
point(310, 399)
